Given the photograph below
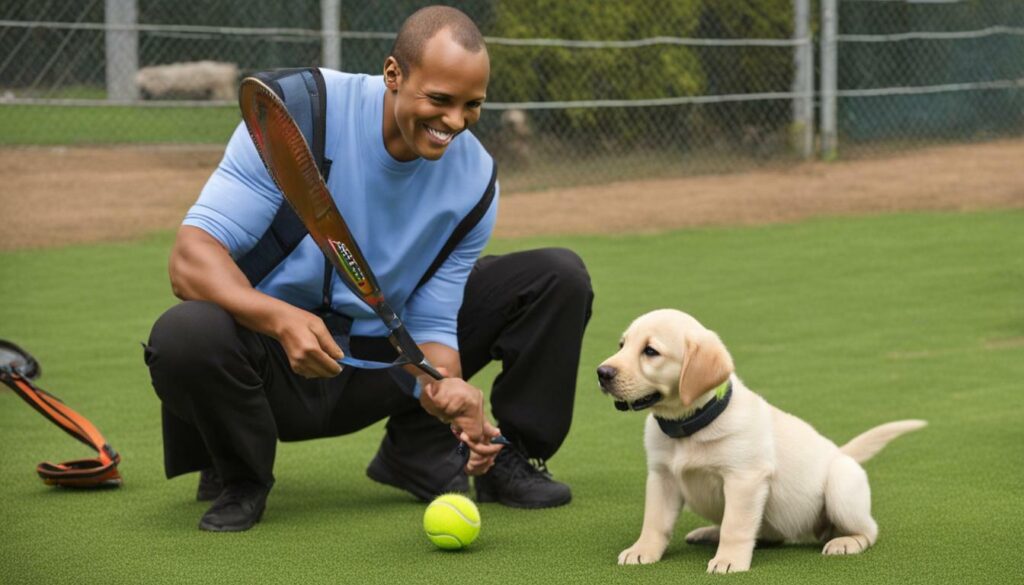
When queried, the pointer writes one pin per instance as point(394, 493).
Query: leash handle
point(86, 473)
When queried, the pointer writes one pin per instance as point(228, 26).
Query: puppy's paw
point(703, 535)
point(846, 545)
point(723, 564)
point(641, 554)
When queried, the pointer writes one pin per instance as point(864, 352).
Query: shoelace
point(540, 465)
point(521, 466)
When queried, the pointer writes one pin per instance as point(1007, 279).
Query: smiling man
point(437, 83)
point(288, 353)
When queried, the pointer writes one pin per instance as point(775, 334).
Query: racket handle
point(428, 369)
point(404, 344)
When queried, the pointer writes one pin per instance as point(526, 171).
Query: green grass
point(74, 125)
point(846, 323)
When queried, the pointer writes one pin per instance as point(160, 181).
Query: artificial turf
point(846, 323)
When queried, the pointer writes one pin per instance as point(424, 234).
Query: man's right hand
point(454, 401)
point(311, 350)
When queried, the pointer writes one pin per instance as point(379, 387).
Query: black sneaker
point(384, 472)
point(239, 507)
point(210, 485)
point(517, 482)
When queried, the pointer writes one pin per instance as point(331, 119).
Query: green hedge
point(570, 74)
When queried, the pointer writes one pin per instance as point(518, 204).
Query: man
point(239, 366)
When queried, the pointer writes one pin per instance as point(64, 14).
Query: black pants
point(229, 394)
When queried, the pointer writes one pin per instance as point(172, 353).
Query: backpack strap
point(304, 94)
point(465, 226)
point(378, 349)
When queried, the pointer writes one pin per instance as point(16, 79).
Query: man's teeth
point(442, 136)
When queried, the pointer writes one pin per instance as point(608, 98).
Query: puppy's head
point(666, 361)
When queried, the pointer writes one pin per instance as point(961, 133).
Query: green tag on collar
point(722, 388)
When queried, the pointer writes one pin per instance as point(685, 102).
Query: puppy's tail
point(865, 445)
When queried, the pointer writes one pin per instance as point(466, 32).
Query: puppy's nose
point(606, 373)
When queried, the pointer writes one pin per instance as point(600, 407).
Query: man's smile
point(440, 137)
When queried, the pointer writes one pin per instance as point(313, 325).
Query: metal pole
point(803, 80)
point(330, 21)
point(122, 49)
point(829, 25)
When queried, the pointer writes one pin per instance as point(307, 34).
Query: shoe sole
point(238, 528)
point(485, 497)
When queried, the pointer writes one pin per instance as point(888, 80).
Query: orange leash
point(82, 473)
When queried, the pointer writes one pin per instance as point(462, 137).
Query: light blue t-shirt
point(400, 213)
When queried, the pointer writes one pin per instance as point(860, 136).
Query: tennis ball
point(452, 521)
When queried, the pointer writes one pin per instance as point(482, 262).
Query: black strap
point(377, 348)
point(703, 417)
point(465, 226)
point(304, 94)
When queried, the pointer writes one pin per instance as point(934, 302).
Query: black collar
point(684, 427)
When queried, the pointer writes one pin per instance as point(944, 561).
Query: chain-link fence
point(926, 72)
point(581, 92)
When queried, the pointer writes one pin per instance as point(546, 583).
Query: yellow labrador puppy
point(712, 444)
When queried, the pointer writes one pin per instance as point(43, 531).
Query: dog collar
point(645, 402)
point(684, 427)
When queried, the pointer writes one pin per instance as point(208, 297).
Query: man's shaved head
point(423, 24)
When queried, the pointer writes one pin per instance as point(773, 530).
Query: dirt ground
point(58, 196)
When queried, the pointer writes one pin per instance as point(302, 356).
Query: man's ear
point(707, 364)
point(392, 73)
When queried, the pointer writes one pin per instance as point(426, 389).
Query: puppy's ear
point(707, 364)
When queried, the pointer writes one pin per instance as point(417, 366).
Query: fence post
point(122, 49)
point(330, 20)
point(829, 26)
point(803, 80)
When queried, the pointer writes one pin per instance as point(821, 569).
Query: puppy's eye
point(621, 344)
point(651, 352)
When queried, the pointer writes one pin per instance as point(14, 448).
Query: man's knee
point(569, 273)
point(188, 337)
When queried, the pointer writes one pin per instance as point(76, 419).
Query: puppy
point(754, 471)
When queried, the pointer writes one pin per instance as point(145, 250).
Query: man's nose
point(455, 119)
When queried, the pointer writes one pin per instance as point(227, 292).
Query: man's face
point(439, 98)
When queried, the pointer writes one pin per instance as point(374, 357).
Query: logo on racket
point(349, 262)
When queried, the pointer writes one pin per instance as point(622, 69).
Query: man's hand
point(481, 460)
point(201, 269)
point(454, 401)
point(311, 351)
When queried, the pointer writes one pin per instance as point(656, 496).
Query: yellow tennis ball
point(452, 521)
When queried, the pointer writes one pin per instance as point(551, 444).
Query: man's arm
point(202, 269)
